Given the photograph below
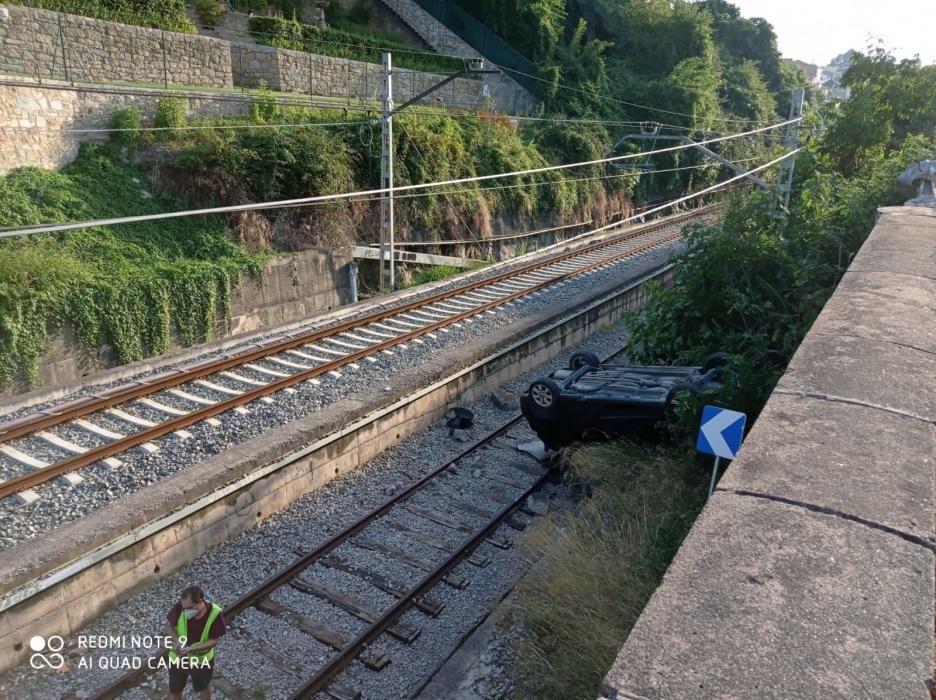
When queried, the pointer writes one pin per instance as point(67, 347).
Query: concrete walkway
point(810, 573)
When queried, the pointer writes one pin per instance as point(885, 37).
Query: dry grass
point(597, 567)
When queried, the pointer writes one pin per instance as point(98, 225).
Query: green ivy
point(129, 288)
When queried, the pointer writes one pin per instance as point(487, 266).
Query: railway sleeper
point(362, 611)
point(375, 662)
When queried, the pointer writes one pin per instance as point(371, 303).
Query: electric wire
point(51, 228)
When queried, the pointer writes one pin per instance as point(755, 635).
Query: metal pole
point(790, 142)
point(386, 173)
point(64, 50)
point(165, 61)
point(711, 487)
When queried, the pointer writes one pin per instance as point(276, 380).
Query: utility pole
point(386, 173)
point(791, 143)
point(474, 65)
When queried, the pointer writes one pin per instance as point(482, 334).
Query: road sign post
point(720, 434)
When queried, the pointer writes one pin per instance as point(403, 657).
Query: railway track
point(58, 443)
point(452, 512)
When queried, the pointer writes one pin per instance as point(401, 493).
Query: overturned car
point(590, 400)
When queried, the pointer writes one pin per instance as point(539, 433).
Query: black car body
point(592, 400)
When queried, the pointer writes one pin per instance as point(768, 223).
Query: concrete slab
point(816, 452)
point(773, 601)
point(866, 314)
point(910, 289)
point(874, 372)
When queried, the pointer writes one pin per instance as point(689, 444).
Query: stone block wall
point(48, 118)
point(295, 71)
point(45, 44)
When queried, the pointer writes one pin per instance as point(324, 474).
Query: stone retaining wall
point(46, 44)
point(284, 70)
point(40, 113)
point(810, 573)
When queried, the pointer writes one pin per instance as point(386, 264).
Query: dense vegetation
point(774, 275)
point(597, 567)
point(751, 286)
point(165, 14)
point(130, 287)
point(701, 59)
point(119, 286)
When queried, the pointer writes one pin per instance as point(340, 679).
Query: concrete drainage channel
point(63, 599)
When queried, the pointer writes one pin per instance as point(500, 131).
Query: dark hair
point(193, 593)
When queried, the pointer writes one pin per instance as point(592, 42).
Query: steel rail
point(282, 577)
point(340, 661)
point(107, 399)
point(96, 454)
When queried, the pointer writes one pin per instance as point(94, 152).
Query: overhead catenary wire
point(541, 183)
point(511, 236)
point(689, 197)
point(258, 206)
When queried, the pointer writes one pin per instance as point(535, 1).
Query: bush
point(126, 118)
point(171, 113)
point(209, 11)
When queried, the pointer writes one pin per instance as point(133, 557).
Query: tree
point(889, 100)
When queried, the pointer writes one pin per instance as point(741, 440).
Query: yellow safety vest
point(182, 631)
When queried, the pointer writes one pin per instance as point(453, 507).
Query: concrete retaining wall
point(810, 573)
point(290, 289)
point(229, 493)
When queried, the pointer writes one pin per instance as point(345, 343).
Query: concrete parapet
point(810, 573)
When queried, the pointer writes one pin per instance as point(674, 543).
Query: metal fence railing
point(483, 40)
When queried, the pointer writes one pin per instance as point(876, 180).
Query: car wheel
point(544, 397)
point(715, 360)
point(580, 359)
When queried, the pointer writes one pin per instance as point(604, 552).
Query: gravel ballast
point(61, 502)
point(231, 569)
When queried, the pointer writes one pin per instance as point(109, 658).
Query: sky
point(817, 30)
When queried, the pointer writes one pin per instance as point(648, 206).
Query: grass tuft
point(597, 567)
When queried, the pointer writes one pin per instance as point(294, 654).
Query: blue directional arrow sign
point(721, 432)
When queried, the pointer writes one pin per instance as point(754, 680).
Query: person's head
point(193, 601)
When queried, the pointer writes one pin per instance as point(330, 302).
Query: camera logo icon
point(53, 644)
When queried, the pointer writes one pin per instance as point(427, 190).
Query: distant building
point(830, 77)
point(810, 69)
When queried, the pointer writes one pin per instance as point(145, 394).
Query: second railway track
point(426, 530)
point(57, 443)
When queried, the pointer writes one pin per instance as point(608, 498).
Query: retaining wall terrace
point(44, 44)
point(285, 70)
point(810, 573)
point(46, 117)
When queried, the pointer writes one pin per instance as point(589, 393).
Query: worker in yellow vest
point(195, 625)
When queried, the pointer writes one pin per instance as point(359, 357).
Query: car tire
point(580, 359)
point(715, 360)
point(544, 398)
